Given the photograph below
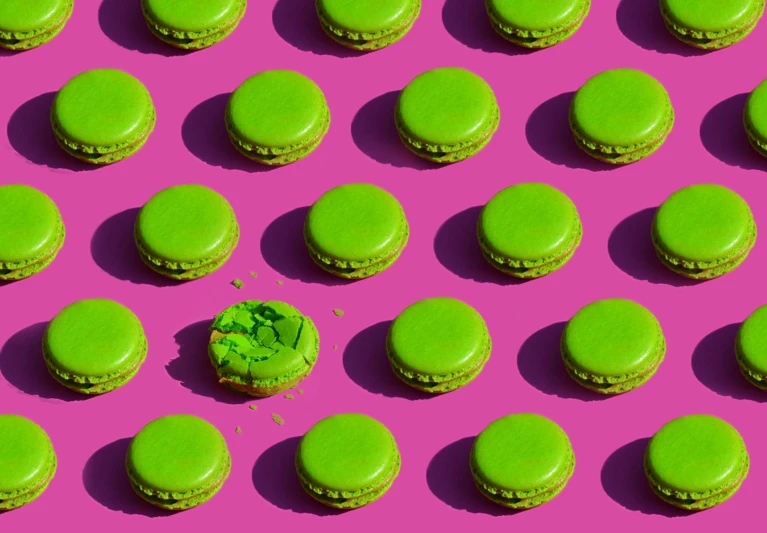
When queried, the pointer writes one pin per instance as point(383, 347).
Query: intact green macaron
point(446, 115)
point(711, 24)
point(755, 118)
point(178, 462)
point(262, 348)
point(27, 461)
point(367, 24)
point(621, 116)
point(347, 460)
point(277, 117)
point(438, 344)
point(696, 462)
point(522, 461)
point(356, 231)
point(703, 231)
point(529, 230)
point(751, 348)
point(94, 346)
point(102, 116)
point(536, 24)
point(31, 231)
point(612, 346)
point(26, 24)
point(191, 25)
point(186, 232)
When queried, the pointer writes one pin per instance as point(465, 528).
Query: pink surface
point(434, 490)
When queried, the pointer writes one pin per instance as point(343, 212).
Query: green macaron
point(703, 231)
point(277, 117)
point(94, 346)
point(27, 461)
point(186, 232)
point(751, 348)
point(178, 462)
point(536, 24)
point(695, 462)
point(356, 231)
point(755, 118)
point(711, 24)
point(438, 344)
point(612, 346)
point(621, 116)
point(347, 460)
point(529, 230)
point(522, 461)
point(262, 348)
point(31, 231)
point(190, 24)
point(26, 24)
point(102, 116)
point(367, 24)
point(446, 115)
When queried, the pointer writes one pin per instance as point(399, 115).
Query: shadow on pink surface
point(297, 23)
point(641, 22)
point(468, 23)
point(123, 22)
point(724, 136)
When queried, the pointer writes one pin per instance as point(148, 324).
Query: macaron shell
point(26, 456)
point(367, 16)
point(30, 16)
point(752, 342)
point(712, 16)
point(193, 16)
point(30, 225)
point(534, 15)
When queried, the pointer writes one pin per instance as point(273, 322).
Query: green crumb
point(300, 391)
point(253, 407)
point(238, 430)
point(277, 419)
point(238, 283)
point(253, 274)
point(279, 282)
point(288, 396)
point(338, 312)
point(335, 347)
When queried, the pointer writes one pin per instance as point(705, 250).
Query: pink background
point(434, 489)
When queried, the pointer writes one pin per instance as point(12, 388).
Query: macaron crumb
point(277, 419)
point(300, 391)
point(288, 396)
point(254, 274)
point(253, 407)
point(335, 347)
point(338, 312)
point(279, 282)
point(238, 283)
point(238, 430)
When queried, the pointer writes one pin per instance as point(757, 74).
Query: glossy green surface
point(30, 224)
point(535, 15)
point(752, 341)
point(26, 16)
point(25, 456)
point(755, 113)
point(711, 15)
point(194, 16)
point(366, 16)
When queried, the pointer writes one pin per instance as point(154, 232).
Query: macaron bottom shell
point(11, 41)
point(711, 40)
point(198, 40)
point(537, 40)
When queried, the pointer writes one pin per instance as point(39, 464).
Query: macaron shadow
point(106, 481)
point(297, 23)
point(467, 22)
point(641, 22)
point(275, 479)
point(123, 22)
point(724, 136)
point(716, 367)
point(624, 481)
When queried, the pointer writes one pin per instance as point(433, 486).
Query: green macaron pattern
point(177, 462)
point(186, 231)
point(696, 462)
point(438, 344)
point(102, 116)
point(367, 24)
point(522, 461)
point(755, 118)
point(355, 231)
point(262, 348)
point(621, 116)
point(711, 24)
point(612, 346)
point(31, 231)
point(536, 24)
point(703, 231)
point(27, 461)
point(751, 348)
point(94, 346)
point(277, 117)
point(25, 24)
point(446, 115)
point(192, 25)
point(529, 230)
point(347, 460)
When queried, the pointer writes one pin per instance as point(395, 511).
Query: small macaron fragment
point(695, 462)
point(277, 117)
point(178, 462)
point(612, 346)
point(703, 231)
point(31, 231)
point(190, 24)
point(262, 348)
point(711, 24)
point(94, 346)
point(27, 460)
point(186, 231)
point(438, 344)
point(536, 24)
point(522, 461)
point(367, 24)
point(26, 24)
point(529, 230)
point(355, 231)
point(621, 116)
point(755, 118)
point(347, 460)
point(751, 348)
point(446, 115)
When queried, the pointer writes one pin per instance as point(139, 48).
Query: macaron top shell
point(29, 223)
point(712, 15)
point(534, 15)
point(25, 16)
point(367, 16)
point(704, 223)
point(752, 340)
point(193, 16)
point(25, 455)
point(756, 111)
point(347, 452)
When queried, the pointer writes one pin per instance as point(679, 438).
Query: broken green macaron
point(26, 24)
point(262, 348)
point(27, 461)
point(711, 24)
point(367, 24)
point(536, 24)
point(192, 25)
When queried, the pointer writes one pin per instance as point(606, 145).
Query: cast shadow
point(123, 22)
point(468, 23)
point(296, 22)
point(724, 136)
point(641, 22)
